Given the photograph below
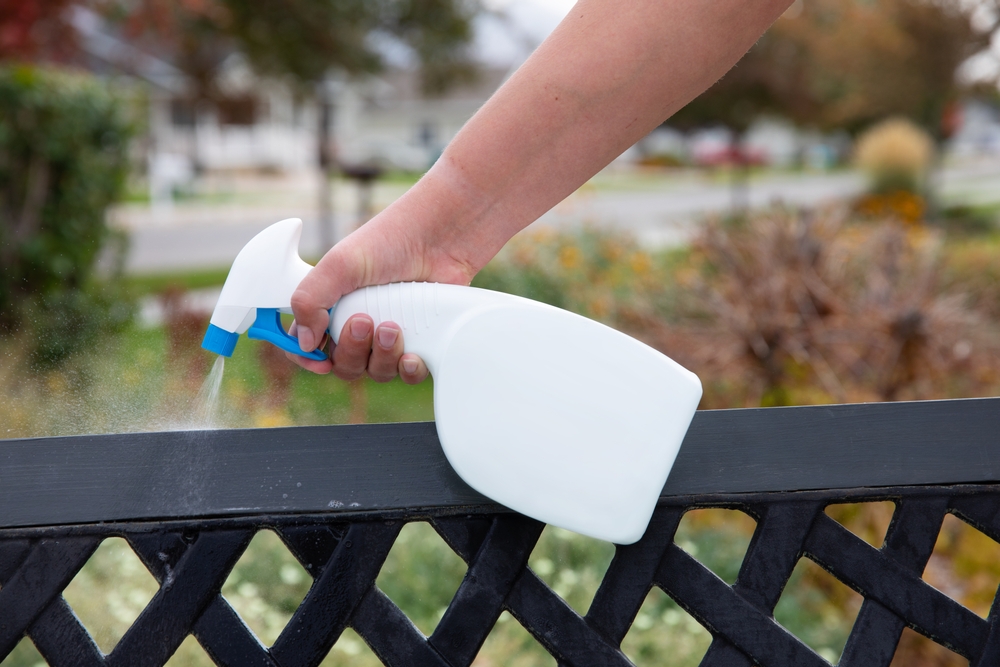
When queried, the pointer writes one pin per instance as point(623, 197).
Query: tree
point(847, 63)
point(63, 160)
point(35, 29)
point(305, 42)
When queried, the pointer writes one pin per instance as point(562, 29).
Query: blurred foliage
point(149, 379)
point(63, 160)
point(306, 38)
point(902, 205)
point(896, 156)
point(36, 30)
point(968, 221)
point(303, 40)
point(814, 308)
point(266, 586)
point(604, 276)
point(846, 64)
point(787, 307)
point(421, 575)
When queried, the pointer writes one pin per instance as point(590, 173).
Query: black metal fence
point(188, 503)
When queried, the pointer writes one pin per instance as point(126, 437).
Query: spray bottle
point(546, 412)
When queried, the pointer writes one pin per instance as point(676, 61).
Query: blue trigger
point(268, 327)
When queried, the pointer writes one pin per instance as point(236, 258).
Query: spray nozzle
point(258, 288)
point(220, 341)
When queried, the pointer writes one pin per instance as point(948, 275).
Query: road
point(658, 210)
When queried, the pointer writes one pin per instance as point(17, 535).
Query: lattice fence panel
point(191, 561)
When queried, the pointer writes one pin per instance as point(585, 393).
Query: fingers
point(319, 290)
point(412, 369)
point(321, 367)
point(363, 348)
point(311, 316)
point(380, 351)
point(350, 356)
point(386, 351)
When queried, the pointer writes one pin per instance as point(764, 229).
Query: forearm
point(612, 71)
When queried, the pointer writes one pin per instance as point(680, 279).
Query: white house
point(261, 124)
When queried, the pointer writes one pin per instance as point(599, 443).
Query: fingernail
point(410, 366)
point(360, 328)
point(307, 342)
point(387, 337)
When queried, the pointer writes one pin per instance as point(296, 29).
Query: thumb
point(319, 290)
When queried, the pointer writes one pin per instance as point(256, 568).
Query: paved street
point(658, 210)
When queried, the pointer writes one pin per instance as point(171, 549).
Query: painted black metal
point(192, 545)
point(347, 469)
point(344, 553)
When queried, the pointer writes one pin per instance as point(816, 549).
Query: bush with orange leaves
point(793, 308)
point(602, 275)
point(896, 156)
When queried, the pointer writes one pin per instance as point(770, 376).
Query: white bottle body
point(549, 413)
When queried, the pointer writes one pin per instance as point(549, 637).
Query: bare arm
point(611, 72)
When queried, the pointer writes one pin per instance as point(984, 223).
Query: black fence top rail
point(386, 467)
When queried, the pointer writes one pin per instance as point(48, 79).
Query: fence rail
point(188, 503)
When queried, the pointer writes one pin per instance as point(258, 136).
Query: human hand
point(379, 352)
point(383, 251)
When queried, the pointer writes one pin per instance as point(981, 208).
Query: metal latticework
point(344, 553)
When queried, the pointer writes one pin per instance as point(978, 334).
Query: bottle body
point(554, 415)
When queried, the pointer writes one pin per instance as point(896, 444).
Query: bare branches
point(809, 308)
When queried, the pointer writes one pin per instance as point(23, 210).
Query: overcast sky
point(510, 29)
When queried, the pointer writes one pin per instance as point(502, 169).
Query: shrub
point(896, 155)
point(63, 160)
point(600, 274)
point(794, 309)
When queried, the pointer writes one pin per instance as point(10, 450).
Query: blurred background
point(820, 226)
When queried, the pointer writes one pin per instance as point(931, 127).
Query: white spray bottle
point(549, 413)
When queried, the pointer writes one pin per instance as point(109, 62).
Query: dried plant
point(600, 274)
point(806, 308)
point(185, 328)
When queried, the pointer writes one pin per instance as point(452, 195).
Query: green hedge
point(63, 159)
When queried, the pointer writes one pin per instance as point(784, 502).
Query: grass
point(157, 283)
point(135, 382)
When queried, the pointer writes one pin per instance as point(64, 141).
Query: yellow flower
point(570, 257)
point(639, 262)
point(271, 419)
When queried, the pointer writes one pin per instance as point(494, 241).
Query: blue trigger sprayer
point(549, 413)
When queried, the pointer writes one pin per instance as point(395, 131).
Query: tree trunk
point(739, 180)
point(328, 167)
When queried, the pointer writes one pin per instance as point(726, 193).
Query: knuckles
point(304, 306)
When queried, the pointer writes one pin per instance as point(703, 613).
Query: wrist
point(448, 221)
